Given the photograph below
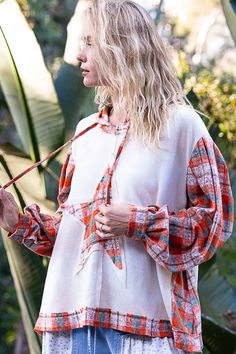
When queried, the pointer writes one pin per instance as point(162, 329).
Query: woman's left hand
point(113, 220)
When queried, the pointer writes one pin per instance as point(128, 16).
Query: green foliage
point(229, 8)
point(27, 269)
point(75, 99)
point(9, 310)
point(48, 19)
point(226, 262)
point(217, 290)
point(33, 103)
point(214, 96)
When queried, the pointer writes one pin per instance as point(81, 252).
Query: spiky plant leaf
point(27, 268)
point(229, 8)
point(27, 84)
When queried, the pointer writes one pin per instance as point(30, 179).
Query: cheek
point(91, 79)
point(97, 76)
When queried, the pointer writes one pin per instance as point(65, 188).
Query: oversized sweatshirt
point(144, 282)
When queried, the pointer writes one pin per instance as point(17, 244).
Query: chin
point(88, 83)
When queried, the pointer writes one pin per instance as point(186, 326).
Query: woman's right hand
point(9, 211)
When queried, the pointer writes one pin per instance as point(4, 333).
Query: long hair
point(131, 56)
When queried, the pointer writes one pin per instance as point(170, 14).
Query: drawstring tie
point(87, 211)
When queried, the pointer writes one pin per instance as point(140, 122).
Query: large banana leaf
point(218, 302)
point(27, 84)
point(27, 268)
point(31, 97)
point(29, 274)
point(76, 100)
point(229, 8)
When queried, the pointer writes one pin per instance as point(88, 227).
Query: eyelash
point(85, 44)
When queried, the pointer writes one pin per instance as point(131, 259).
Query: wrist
point(12, 228)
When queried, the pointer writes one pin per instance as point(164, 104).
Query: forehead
point(84, 28)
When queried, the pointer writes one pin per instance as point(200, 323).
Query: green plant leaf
point(218, 303)
point(76, 100)
point(217, 290)
point(27, 84)
point(230, 16)
point(31, 185)
point(233, 4)
point(27, 268)
point(232, 175)
point(216, 339)
point(29, 275)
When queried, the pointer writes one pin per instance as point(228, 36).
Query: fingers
point(101, 219)
point(2, 191)
point(3, 196)
point(6, 197)
point(104, 209)
point(102, 227)
point(9, 211)
point(104, 235)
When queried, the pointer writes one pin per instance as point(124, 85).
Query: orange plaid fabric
point(176, 241)
point(87, 211)
point(183, 240)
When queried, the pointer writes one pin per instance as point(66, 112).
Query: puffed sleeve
point(179, 241)
point(38, 231)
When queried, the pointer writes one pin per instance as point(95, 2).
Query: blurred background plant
point(201, 43)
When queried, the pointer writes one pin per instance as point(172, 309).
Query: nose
point(81, 57)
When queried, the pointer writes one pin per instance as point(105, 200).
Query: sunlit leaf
point(27, 268)
point(229, 8)
point(27, 84)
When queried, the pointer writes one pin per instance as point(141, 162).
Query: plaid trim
point(103, 318)
point(22, 227)
point(87, 211)
point(137, 225)
point(180, 241)
point(36, 231)
point(183, 240)
point(106, 125)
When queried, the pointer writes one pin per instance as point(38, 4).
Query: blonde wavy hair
point(131, 56)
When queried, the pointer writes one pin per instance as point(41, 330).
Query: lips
point(84, 71)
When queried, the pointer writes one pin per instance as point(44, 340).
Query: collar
point(105, 124)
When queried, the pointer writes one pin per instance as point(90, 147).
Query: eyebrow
point(87, 38)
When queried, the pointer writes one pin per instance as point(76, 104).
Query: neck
point(117, 115)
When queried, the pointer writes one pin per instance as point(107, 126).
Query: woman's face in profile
point(87, 58)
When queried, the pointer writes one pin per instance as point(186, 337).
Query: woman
point(144, 199)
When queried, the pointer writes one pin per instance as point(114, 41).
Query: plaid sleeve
point(38, 231)
point(179, 241)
